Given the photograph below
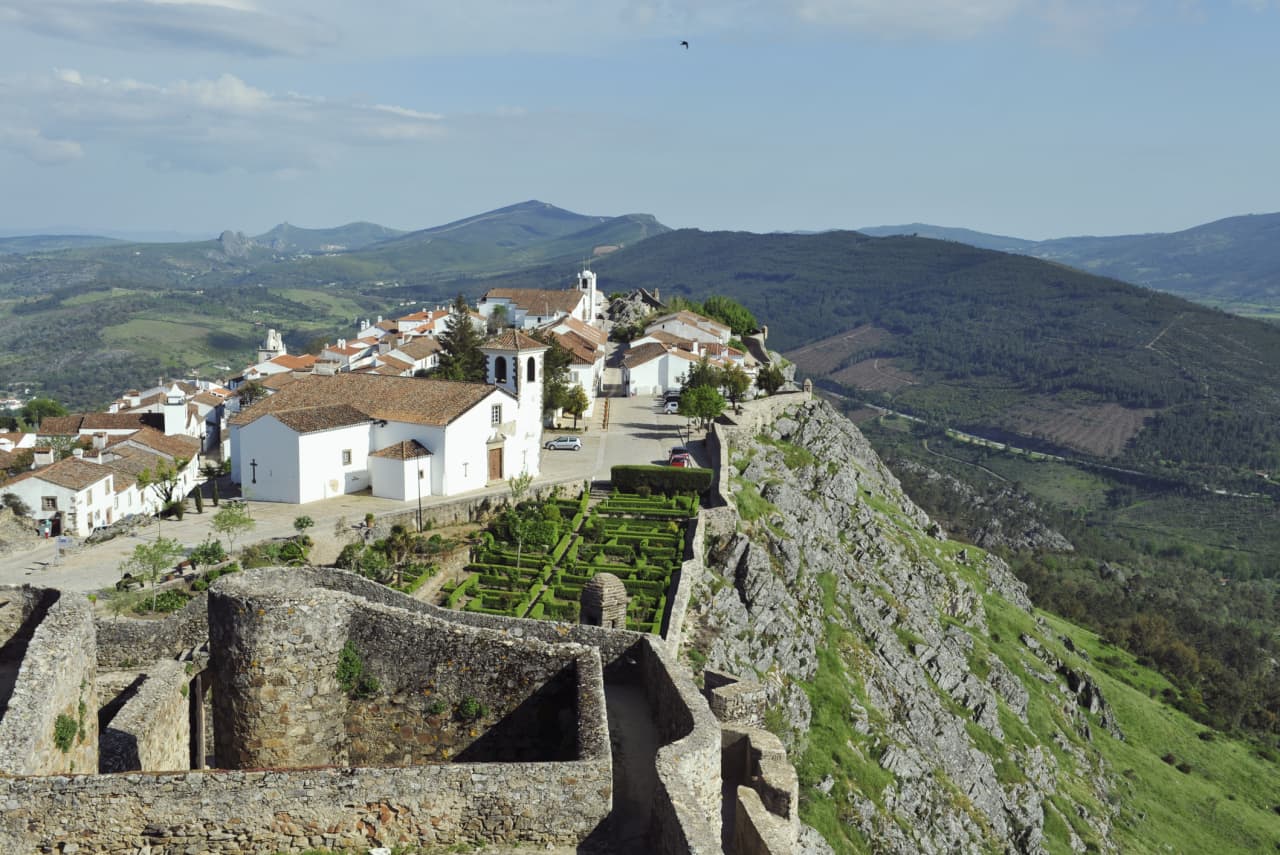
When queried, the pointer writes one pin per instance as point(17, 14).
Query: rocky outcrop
point(1005, 518)
point(870, 631)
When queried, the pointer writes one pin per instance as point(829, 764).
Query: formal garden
point(534, 559)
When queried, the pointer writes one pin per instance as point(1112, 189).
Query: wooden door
point(495, 464)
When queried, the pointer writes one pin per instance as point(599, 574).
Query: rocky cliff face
point(925, 707)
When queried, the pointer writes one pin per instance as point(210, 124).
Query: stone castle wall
point(54, 676)
point(274, 645)
point(127, 643)
point(296, 810)
point(685, 816)
point(151, 732)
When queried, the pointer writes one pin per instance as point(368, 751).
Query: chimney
point(77, 453)
point(100, 441)
point(41, 457)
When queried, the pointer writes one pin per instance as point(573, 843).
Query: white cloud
point(38, 148)
point(222, 26)
point(208, 125)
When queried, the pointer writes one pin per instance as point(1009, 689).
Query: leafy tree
point(250, 392)
point(207, 553)
point(731, 313)
point(150, 560)
point(576, 403)
point(703, 373)
point(770, 378)
point(703, 403)
point(211, 472)
point(231, 521)
point(302, 523)
point(37, 409)
point(736, 382)
point(555, 372)
point(163, 482)
point(497, 319)
point(460, 355)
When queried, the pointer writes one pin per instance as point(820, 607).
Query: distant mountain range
point(1233, 263)
point(27, 244)
point(288, 238)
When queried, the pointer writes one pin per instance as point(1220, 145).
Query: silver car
point(564, 443)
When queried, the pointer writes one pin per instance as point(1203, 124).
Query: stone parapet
point(128, 642)
point(51, 662)
point(685, 818)
point(151, 731)
point(294, 811)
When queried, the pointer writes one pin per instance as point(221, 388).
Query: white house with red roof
point(323, 436)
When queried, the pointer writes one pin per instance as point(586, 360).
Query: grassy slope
point(1226, 802)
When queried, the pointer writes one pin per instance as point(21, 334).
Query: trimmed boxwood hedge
point(668, 480)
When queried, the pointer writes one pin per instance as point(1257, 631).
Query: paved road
point(638, 433)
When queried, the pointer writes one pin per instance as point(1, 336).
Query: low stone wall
point(459, 511)
point(55, 677)
point(293, 811)
point(734, 700)
point(755, 762)
point(151, 732)
point(129, 642)
point(691, 570)
point(685, 818)
point(275, 651)
point(524, 693)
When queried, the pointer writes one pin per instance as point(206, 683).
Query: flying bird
point(684, 45)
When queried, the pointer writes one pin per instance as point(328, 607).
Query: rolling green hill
point(1233, 263)
point(27, 244)
point(290, 238)
point(123, 314)
point(992, 342)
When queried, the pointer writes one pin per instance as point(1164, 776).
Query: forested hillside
point(983, 340)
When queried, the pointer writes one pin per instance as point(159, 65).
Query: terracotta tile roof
point(511, 339)
point(538, 302)
point(693, 319)
point(592, 334)
point(646, 352)
point(294, 363)
point(74, 424)
point(72, 473)
point(389, 326)
point(410, 449)
point(670, 338)
point(279, 381)
point(583, 351)
point(420, 348)
point(170, 446)
point(208, 399)
point(374, 396)
point(398, 364)
point(313, 419)
point(132, 462)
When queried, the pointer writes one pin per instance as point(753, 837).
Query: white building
point(325, 436)
point(527, 308)
point(76, 496)
point(692, 326)
point(653, 367)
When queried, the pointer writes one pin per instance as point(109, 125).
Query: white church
point(400, 437)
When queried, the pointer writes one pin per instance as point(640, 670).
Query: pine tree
point(461, 357)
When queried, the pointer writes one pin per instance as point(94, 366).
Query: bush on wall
point(669, 480)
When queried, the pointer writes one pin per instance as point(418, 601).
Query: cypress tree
point(461, 357)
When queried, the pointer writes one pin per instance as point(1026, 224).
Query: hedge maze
point(640, 539)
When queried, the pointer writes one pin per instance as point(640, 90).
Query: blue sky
point(1035, 118)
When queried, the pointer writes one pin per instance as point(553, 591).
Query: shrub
point(668, 480)
point(470, 709)
point(64, 732)
point(165, 601)
point(437, 707)
point(351, 676)
point(14, 502)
